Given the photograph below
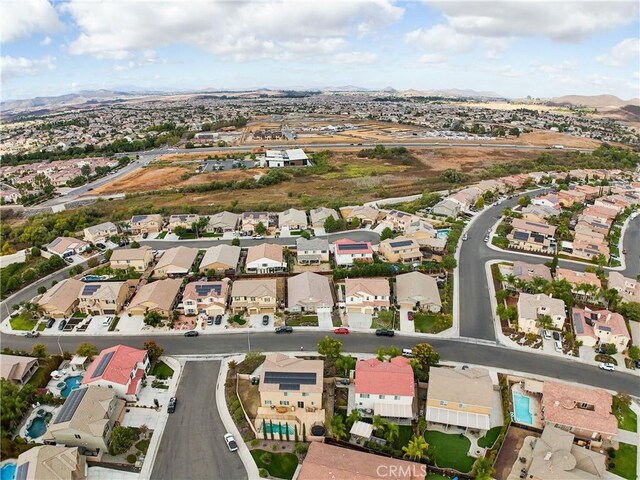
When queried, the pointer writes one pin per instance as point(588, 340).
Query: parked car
point(609, 367)
point(465, 237)
point(33, 334)
point(341, 331)
point(218, 319)
point(556, 335)
point(231, 442)
point(50, 323)
point(69, 260)
point(258, 237)
point(210, 320)
point(407, 352)
point(546, 334)
point(284, 329)
point(145, 235)
point(265, 320)
point(62, 324)
point(557, 345)
point(191, 333)
point(486, 239)
point(410, 315)
point(101, 246)
point(385, 332)
point(171, 407)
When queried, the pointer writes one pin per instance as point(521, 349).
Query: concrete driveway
point(256, 321)
point(359, 320)
point(324, 319)
point(192, 447)
point(406, 325)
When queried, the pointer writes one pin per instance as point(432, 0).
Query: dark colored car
point(410, 315)
point(384, 332)
point(556, 335)
point(218, 320)
point(265, 320)
point(50, 322)
point(284, 329)
point(63, 323)
point(191, 333)
point(171, 407)
point(145, 235)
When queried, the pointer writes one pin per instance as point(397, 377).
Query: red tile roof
point(133, 386)
point(339, 244)
point(385, 378)
point(123, 361)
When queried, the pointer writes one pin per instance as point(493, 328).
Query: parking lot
point(222, 165)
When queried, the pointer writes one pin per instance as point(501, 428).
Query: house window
point(300, 404)
point(381, 397)
point(396, 397)
point(284, 402)
point(461, 405)
point(444, 403)
point(305, 394)
point(286, 394)
point(364, 395)
point(267, 402)
point(77, 436)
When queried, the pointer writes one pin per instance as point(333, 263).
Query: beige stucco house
point(145, 224)
point(400, 249)
point(367, 295)
point(50, 462)
point(415, 290)
point(254, 296)
point(17, 369)
point(60, 301)
point(137, 258)
point(532, 307)
point(220, 258)
point(102, 298)
point(100, 232)
point(175, 261)
point(159, 296)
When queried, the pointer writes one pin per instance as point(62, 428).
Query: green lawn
point(42, 326)
point(303, 321)
point(24, 321)
point(161, 235)
point(162, 369)
point(37, 377)
point(449, 450)
point(430, 323)
point(143, 445)
point(625, 461)
point(238, 319)
point(280, 465)
point(489, 438)
point(406, 432)
point(188, 236)
point(627, 418)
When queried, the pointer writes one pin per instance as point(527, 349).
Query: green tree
point(379, 424)
point(122, 439)
point(260, 229)
point(386, 233)
point(154, 350)
point(87, 350)
point(153, 319)
point(35, 252)
point(344, 364)
point(134, 244)
point(41, 289)
point(7, 249)
point(634, 352)
point(338, 428)
point(392, 432)
point(92, 262)
point(416, 448)
point(107, 254)
point(480, 203)
point(524, 201)
point(426, 356)
point(449, 262)
point(501, 295)
point(630, 311)
point(353, 417)
point(483, 468)
point(235, 242)
point(39, 350)
point(451, 175)
point(330, 348)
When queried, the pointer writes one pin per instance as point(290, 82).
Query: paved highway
point(471, 352)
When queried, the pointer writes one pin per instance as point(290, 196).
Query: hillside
point(594, 101)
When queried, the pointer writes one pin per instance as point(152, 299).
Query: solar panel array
point(203, 290)
point(606, 329)
point(577, 323)
point(21, 472)
point(290, 380)
point(538, 238)
point(402, 243)
point(90, 289)
point(70, 405)
point(521, 235)
point(104, 361)
point(354, 246)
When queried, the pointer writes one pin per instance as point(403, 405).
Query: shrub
point(131, 458)
point(301, 448)
point(266, 458)
point(254, 442)
point(263, 472)
point(274, 447)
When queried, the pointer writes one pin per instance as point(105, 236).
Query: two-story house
point(61, 300)
point(293, 219)
point(100, 233)
point(137, 258)
point(347, 251)
point(531, 309)
point(594, 327)
point(265, 258)
point(209, 298)
point(223, 222)
point(533, 236)
point(319, 216)
point(102, 298)
point(627, 288)
point(67, 246)
point(250, 221)
point(175, 262)
point(185, 221)
point(159, 296)
point(386, 389)
point(145, 224)
point(50, 462)
point(400, 249)
point(313, 251)
point(367, 295)
point(254, 296)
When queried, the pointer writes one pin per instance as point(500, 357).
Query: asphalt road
point(471, 352)
point(192, 445)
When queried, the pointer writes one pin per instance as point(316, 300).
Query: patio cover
point(361, 429)
point(459, 418)
point(77, 361)
point(394, 410)
point(533, 386)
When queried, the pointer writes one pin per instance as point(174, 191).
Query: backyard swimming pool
point(521, 411)
point(276, 428)
point(8, 471)
point(38, 426)
point(71, 383)
point(443, 233)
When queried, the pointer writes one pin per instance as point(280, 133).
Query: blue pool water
point(521, 411)
point(38, 426)
point(71, 383)
point(8, 471)
point(276, 428)
point(443, 233)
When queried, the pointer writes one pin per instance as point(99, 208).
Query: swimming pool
point(8, 471)
point(276, 428)
point(443, 233)
point(71, 383)
point(521, 411)
point(38, 426)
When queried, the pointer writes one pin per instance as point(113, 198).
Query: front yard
point(431, 322)
point(449, 450)
point(162, 370)
point(24, 321)
point(624, 463)
point(385, 319)
point(301, 320)
point(627, 418)
point(280, 465)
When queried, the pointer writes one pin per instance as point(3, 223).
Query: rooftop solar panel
point(204, 290)
point(21, 472)
point(577, 323)
point(104, 361)
point(90, 289)
point(606, 329)
point(298, 378)
point(521, 235)
point(138, 218)
point(403, 243)
point(354, 246)
point(70, 405)
point(289, 386)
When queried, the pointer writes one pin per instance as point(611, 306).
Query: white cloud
point(624, 52)
point(279, 29)
point(555, 68)
point(21, 18)
point(566, 21)
point(506, 71)
point(440, 38)
point(45, 42)
point(432, 59)
point(354, 58)
point(12, 67)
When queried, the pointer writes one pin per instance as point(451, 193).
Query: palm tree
point(379, 423)
point(538, 284)
point(393, 432)
point(416, 448)
point(338, 428)
point(611, 297)
point(354, 416)
point(484, 469)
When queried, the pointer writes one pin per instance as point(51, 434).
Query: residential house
point(610, 204)
point(221, 259)
point(121, 369)
point(347, 251)
point(159, 296)
point(293, 219)
point(514, 182)
point(447, 208)
point(436, 245)
point(550, 200)
point(290, 393)
point(223, 222)
point(309, 292)
point(584, 283)
point(209, 298)
point(367, 295)
point(417, 291)
point(627, 288)
point(532, 307)
point(50, 462)
point(588, 249)
point(17, 369)
point(533, 236)
point(145, 224)
point(313, 251)
point(585, 232)
point(421, 231)
point(60, 301)
point(594, 327)
point(328, 462)
point(9, 194)
point(176, 261)
point(526, 272)
point(590, 192)
point(585, 412)
point(284, 158)
point(538, 213)
point(556, 456)
point(67, 246)
point(254, 296)
point(102, 298)
point(265, 258)
point(594, 224)
point(569, 197)
point(399, 221)
point(137, 258)
point(319, 216)
point(494, 186)
point(100, 233)
point(386, 389)
point(86, 420)
point(460, 398)
point(185, 221)
point(466, 198)
point(365, 214)
point(250, 221)
point(400, 249)
point(604, 214)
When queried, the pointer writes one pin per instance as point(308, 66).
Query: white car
point(258, 237)
point(486, 239)
point(606, 366)
point(546, 334)
point(557, 345)
point(464, 237)
point(231, 442)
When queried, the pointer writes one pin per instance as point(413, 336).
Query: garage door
point(109, 312)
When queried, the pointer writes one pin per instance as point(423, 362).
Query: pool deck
point(33, 414)
point(535, 405)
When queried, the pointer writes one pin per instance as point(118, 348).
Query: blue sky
point(515, 48)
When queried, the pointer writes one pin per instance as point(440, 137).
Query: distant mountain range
point(594, 101)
